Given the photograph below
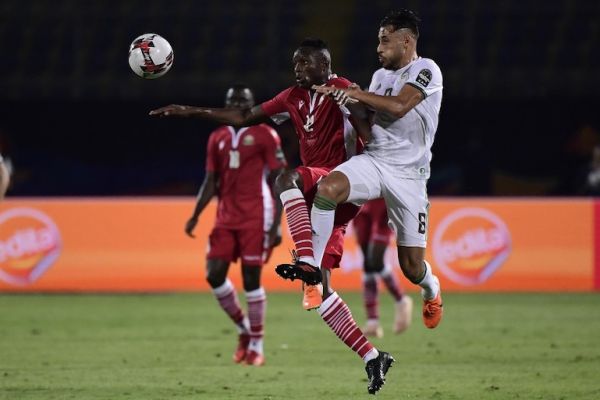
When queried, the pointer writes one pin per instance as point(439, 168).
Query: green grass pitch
point(179, 346)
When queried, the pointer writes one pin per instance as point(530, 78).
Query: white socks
point(322, 226)
point(430, 286)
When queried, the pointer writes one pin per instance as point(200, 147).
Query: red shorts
point(371, 225)
point(343, 215)
point(231, 244)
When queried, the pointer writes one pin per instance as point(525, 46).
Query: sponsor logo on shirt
point(30, 243)
point(470, 244)
point(424, 77)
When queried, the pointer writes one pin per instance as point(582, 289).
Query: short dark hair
point(402, 19)
point(314, 43)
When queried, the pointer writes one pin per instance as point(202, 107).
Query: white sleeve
point(375, 80)
point(426, 76)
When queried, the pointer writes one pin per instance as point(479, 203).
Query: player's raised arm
point(239, 109)
point(228, 116)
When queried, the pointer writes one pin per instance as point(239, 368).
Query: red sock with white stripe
point(392, 283)
point(338, 317)
point(296, 213)
point(229, 302)
point(370, 296)
point(257, 306)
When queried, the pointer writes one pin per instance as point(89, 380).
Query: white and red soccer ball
point(150, 56)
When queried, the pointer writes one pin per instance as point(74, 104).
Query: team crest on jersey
point(248, 140)
point(221, 145)
point(404, 75)
point(300, 104)
point(424, 77)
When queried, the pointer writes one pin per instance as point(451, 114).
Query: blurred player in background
point(406, 96)
point(4, 178)
point(373, 235)
point(241, 167)
point(327, 138)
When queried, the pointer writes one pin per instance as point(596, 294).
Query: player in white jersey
point(405, 96)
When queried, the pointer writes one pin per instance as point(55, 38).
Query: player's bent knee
point(371, 267)
point(335, 187)
point(215, 280)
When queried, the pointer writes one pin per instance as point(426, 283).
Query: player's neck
point(407, 59)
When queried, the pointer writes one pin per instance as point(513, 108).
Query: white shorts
point(406, 199)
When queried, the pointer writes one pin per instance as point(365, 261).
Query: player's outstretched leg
point(307, 273)
point(338, 317)
point(376, 369)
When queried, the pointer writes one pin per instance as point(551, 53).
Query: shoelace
point(432, 307)
point(294, 256)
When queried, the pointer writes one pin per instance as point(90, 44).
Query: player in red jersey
point(239, 164)
point(326, 139)
point(373, 235)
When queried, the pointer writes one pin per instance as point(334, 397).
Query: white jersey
point(405, 143)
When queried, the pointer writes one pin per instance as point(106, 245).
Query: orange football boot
point(433, 310)
point(313, 296)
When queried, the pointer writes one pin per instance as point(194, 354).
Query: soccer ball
point(150, 56)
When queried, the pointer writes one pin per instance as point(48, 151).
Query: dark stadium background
point(520, 114)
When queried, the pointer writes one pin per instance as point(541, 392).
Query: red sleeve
point(339, 82)
point(211, 153)
point(277, 104)
point(274, 157)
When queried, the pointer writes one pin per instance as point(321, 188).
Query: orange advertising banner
point(138, 245)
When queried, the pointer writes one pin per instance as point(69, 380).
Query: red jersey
point(326, 136)
point(242, 161)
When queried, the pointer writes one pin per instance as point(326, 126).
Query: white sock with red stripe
point(370, 296)
point(322, 216)
point(257, 306)
point(338, 317)
point(229, 302)
point(296, 213)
